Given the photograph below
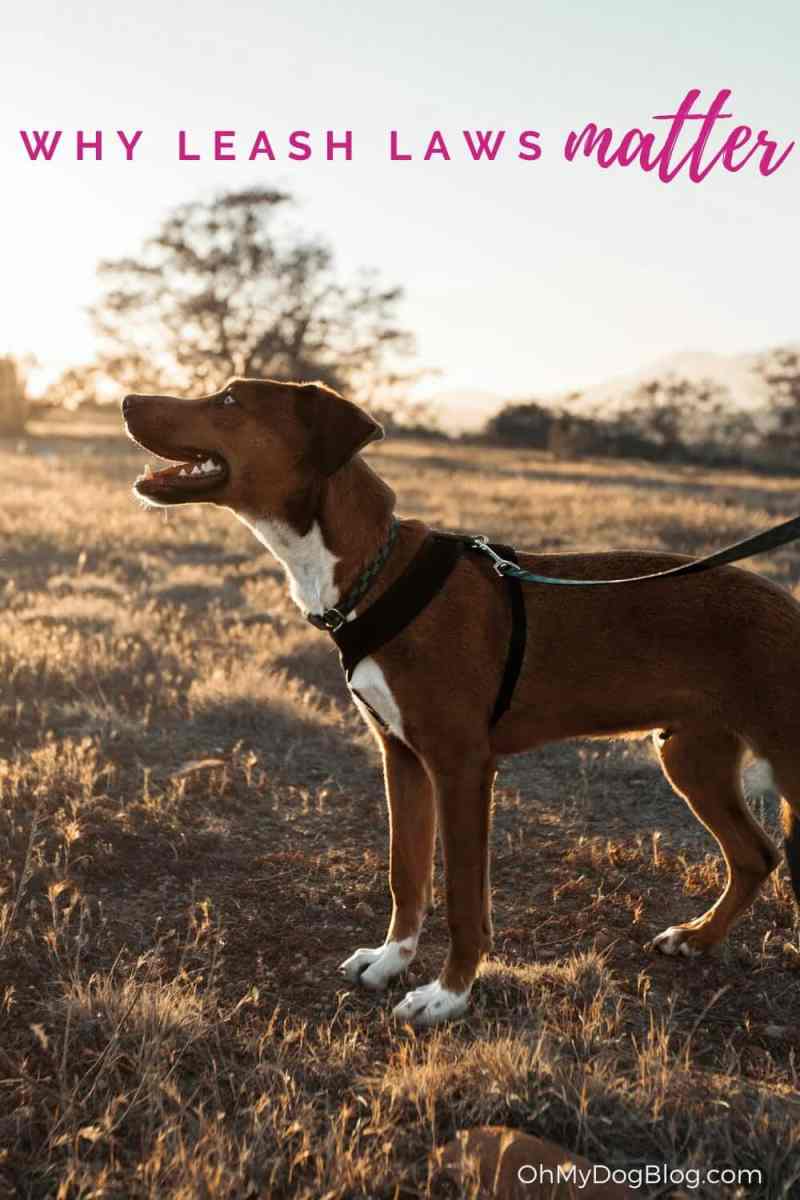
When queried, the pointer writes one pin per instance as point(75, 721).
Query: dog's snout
point(127, 405)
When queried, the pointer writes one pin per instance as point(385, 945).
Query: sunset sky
point(521, 277)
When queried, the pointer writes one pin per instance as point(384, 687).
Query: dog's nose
point(127, 405)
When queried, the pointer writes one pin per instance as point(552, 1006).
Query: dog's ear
point(339, 429)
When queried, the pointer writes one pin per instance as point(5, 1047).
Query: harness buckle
point(500, 565)
point(330, 620)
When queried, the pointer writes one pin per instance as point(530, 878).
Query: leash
point(759, 543)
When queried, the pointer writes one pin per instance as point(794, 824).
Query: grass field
point(193, 836)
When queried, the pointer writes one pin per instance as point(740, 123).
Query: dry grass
point(192, 836)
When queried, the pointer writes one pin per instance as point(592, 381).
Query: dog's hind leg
point(412, 818)
point(704, 766)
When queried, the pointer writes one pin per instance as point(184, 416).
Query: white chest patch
point(310, 569)
point(308, 562)
point(370, 683)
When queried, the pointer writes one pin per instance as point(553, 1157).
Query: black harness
point(407, 596)
point(430, 569)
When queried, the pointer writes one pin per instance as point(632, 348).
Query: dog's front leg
point(463, 790)
point(412, 823)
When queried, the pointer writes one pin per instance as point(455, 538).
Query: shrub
point(13, 401)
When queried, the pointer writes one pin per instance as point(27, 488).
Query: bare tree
point(223, 289)
point(780, 370)
point(74, 387)
point(681, 419)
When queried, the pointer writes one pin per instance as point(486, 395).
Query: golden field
point(193, 836)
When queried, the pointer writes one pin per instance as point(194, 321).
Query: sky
point(521, 278)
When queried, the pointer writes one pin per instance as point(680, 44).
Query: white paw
point(431, 1004)
point(673, 941)
point(374, 968)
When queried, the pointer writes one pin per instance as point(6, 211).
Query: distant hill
point(735, 373)
point(466, 410)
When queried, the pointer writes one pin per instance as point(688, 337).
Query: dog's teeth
point(197, 470)
point(208, 465)
point(182, 471)
point(148, 470)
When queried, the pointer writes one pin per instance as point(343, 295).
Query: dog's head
point(257, 446)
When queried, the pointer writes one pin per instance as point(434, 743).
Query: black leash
point(759, 543)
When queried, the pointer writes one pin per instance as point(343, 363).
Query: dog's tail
point(759, 778)
point(790, 819)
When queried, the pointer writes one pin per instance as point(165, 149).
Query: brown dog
point(712, 663)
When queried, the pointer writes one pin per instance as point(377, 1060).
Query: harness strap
point(411, 593)
point(516, 642)
point(401, 603)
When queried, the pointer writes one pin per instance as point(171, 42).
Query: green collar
point(333, 618)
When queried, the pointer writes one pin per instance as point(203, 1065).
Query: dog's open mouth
point(199, 475)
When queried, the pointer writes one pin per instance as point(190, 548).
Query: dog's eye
point(225, 399)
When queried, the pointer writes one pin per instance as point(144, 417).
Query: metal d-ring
point(501, 565)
